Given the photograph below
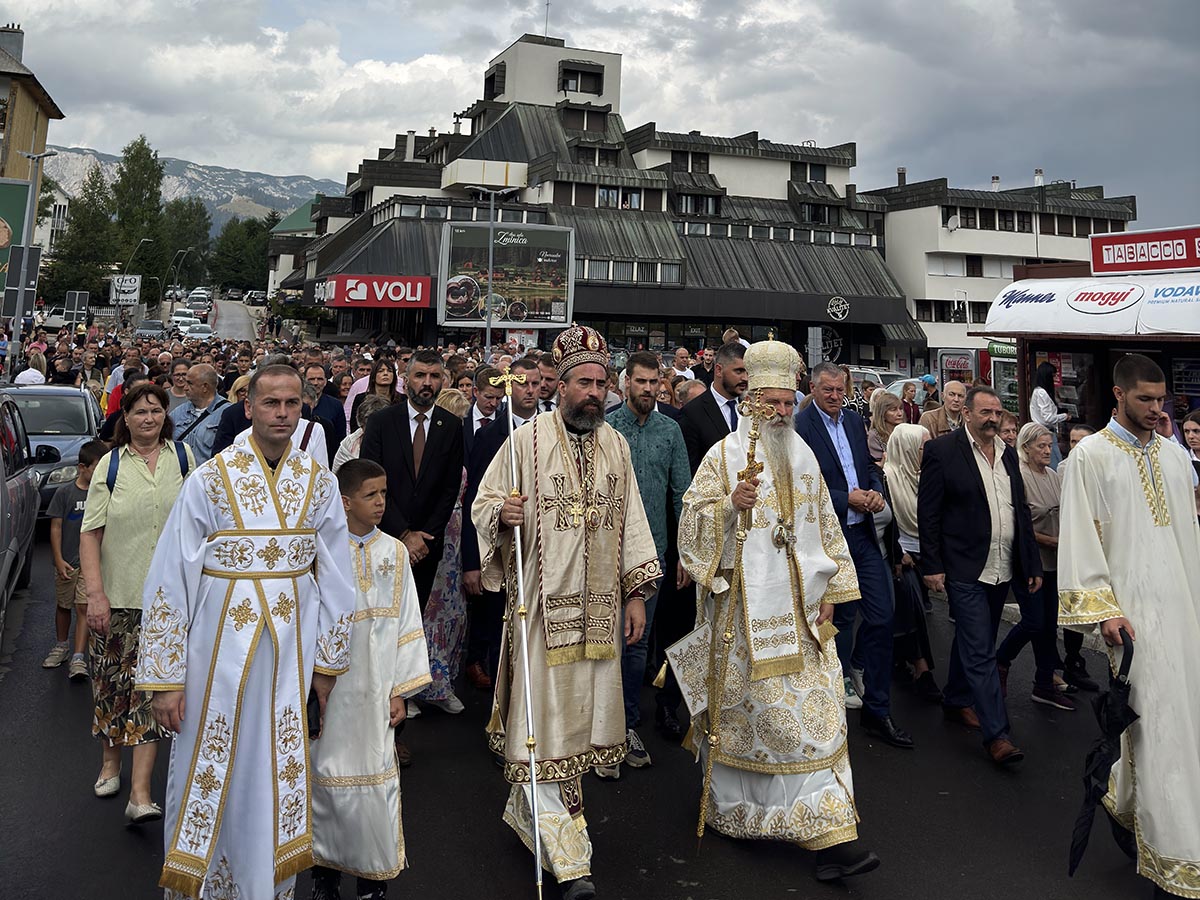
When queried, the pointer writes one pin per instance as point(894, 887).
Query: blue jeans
point(872, 646)
point(973, 679)
point(1039, 625)
point(633, 662)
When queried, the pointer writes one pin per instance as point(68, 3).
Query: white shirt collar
point(722, 402)
point(413, 412)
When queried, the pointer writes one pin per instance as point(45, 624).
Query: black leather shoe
point(886, 730)
point(844, 861)
point(577, 889)
point(1075, 673)
point(668, 723)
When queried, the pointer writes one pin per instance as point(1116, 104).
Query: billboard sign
point(125, 290)
point(1146, 252)
point(375, 291)
point(14, 197)
point(533, 279)
point(12, 282)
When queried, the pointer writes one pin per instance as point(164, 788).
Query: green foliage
point(86, 252)
point(137, 199)
point(46, 198)
point(186, 223)
point(239, 257)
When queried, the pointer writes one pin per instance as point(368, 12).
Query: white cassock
point(1129, 545)
point(309, 437)
point(247, 593)
point(356, 785)
point(781, 765)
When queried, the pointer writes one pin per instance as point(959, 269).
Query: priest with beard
point(766, 548)
point(589, 563)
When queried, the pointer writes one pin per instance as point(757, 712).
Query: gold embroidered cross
point(808, 498)
point(609, 504)
point(567, 508)
point(242, 614)
point(208, 782)
point(291, 772)
point(271, 554)
point(199, 825)
point(283, 607)
point(386, 568)
point(241, 461)
point(288, 730)
point(217, 737)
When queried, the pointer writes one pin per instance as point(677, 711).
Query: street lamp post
point(125, 267)
point(492, 195)
point(35, 165)
point(165, 283)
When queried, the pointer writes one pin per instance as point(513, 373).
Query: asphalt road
point(947, 825)
point(233, 321)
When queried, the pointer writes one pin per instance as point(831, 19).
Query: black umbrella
point(1115, 715)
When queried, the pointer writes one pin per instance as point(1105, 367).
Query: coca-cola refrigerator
point(957, 365)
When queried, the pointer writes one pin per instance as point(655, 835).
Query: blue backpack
point(114, 463)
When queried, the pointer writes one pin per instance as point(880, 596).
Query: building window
point(1066, 226)
point(410, 210)
point(923, 310)
point(631, 199)
point(435, 212)
point(1007, 220)
point(700, 163)
point(681, 228)
point(952, 311)
point(821, 237)
point(739, 231)
point(462, 213)
point(718, 230)
point(1083, 226)
point(679, 161)
point(760, 232)
point(696, 205)
point(1025, 222)
point(987, 220)
point(1116, 225)
point(697, 229)
point(585, 156)
point(947, 212)
point(608, 197)
point(1099, 226)
point(622, 270)
point(671, 273)
point(597, 270)
point(572, 118)
point(512, 215)
point(966, 217)
point(3, 114)
point(802, 235)
point(818, 214)
point(1045, 223)
point(816, 172)
point(606, 159)
point(862, 240)
point(579, 267)
point(781, 234)
point(799, 171)
point(647, 271)
point(582, 82)
point(841, 238)
point(979, 313)
point(974, 266)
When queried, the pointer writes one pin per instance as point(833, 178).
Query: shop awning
point(1165, 305)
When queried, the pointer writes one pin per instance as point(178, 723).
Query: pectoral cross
point(756, 409)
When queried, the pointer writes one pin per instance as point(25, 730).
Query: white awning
point(1120, 305)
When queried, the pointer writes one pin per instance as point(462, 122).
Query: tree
point(186, 223)
point(87, 250)
point(46, 198)
point(239, 256)
point(137, 200)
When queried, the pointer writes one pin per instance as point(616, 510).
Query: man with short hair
point(589, 562)
point(549, 384)
point(241, 367)
point(663, 474)
point(837, 437)
point(689, 391)
point(680, 365)
point(948, 417)
point(197, 420)
point(247, 604)
point(703, 370)
point(713, 415)
point(1129, 560)
point(976, 536)
point(326, 408)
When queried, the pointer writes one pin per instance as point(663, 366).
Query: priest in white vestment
point(246, 604)
point(764, 668)
point(589, 562)
point(1129, 556)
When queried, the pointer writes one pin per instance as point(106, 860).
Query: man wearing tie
point(483, 411)
point(548, 392)
point(713, 414)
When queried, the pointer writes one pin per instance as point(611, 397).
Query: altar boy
point(356, 784)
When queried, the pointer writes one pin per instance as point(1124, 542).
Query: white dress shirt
point(477, 418)
point(997, 569)
point(413, 412)
point(723, 405)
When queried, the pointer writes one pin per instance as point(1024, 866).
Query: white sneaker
point(856, 676)
point(411, 709)
point(637, 755)
point(608, 773)
point(58, 655)
point(77, 670)
point(853, 700)
point(451, 705)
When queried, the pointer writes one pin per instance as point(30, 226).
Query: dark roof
point(749, 144)
point(525, 131)
point(1053, 198)
point(289, 244)
point(373, 172)
point(907, 333)
point(550, 168)
point(13, 67)
point(814, 192)
point(620, 234)
point(293, 281)
point(323, 207)
point(759, 210)
point(397, 246)
point(692, 182)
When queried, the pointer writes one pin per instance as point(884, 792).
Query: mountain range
point(226, 193)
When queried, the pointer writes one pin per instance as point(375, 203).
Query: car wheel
point(26, 571)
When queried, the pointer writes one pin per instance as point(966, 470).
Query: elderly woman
point(352, 443)
point(887, 411)
point(902, 469)
point(239, 390)
point(1039, 610)
point(120, 528)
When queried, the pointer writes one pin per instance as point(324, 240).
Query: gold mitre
point(772, 364)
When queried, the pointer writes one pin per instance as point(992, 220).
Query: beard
point(775, 438)
point(587, 415)
point(643, 405)
point(421, 398)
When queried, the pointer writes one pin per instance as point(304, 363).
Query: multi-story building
point(953, 250)
point(49, 229)
point(677, 235)
point(26, 108)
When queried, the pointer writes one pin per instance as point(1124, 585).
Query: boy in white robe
point(356, 784)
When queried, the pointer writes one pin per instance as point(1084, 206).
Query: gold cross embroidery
point(242, 614)
point(386, 568)
point(609, 503)
point(291, 772)
point(208, 782)
point(283, 608)
point(567, 508)
point(808, 498)
point(272, 553)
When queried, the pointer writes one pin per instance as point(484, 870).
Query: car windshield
point(53, 415)
point(151, 323)
point(889, 377)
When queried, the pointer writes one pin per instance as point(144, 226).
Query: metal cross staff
point(508, 379)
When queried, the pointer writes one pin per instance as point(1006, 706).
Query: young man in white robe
point(1129, 558)
point(762, 540)
point(247, 604)
point(356, 784)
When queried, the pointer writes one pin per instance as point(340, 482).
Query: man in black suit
point(420, 446)
point(713, 414)
point(838, 438)
point(976, 537)
point(483, 411)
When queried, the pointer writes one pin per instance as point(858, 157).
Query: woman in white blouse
point(1043, 410)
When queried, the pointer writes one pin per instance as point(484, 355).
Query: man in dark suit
point(712, 415)
point(838, 438)
point(976, 537)
point(482, 413)
point(420, 446)
point(327, 408)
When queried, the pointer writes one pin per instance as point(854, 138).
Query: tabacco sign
point(375, 291)
point(1099, 299)
point(1146, 252)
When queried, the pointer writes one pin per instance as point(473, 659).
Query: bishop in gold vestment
point(588, 552)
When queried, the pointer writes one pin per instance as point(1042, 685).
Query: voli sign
point(1147, 252)
point(375, 291)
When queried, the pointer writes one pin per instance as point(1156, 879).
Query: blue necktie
point(732, 404)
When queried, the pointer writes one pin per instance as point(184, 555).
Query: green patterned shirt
point(660, 463)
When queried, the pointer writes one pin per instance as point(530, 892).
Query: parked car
point(60, 417)
point(18, 500)
point(199, 332)
point(881, 377)
point(199, 309)
point(233, 294)
point(255, 298)
point(154, 329)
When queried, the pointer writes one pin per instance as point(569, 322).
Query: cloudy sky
point(1097, 91)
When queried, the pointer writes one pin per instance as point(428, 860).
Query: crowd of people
point(272, 543)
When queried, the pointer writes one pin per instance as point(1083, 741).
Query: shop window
point(979, 313)
point(597, 270)
point(923, 310)
point(672, 273)
point(1066, 226)
point(974, 266)
point(966, 217)
point(739, 231)
point(760, 232)
point(410, 210)
point(1045, 223)
point(1007, 220)
point(631, 199)
point(987, 220)
point(512, 215)
point(718, 230)
point(647, 272)
point(816, 172)
point(608, 197)
point(622, 270)
point(1025, 222)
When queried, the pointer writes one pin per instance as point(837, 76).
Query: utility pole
point(35, 166)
